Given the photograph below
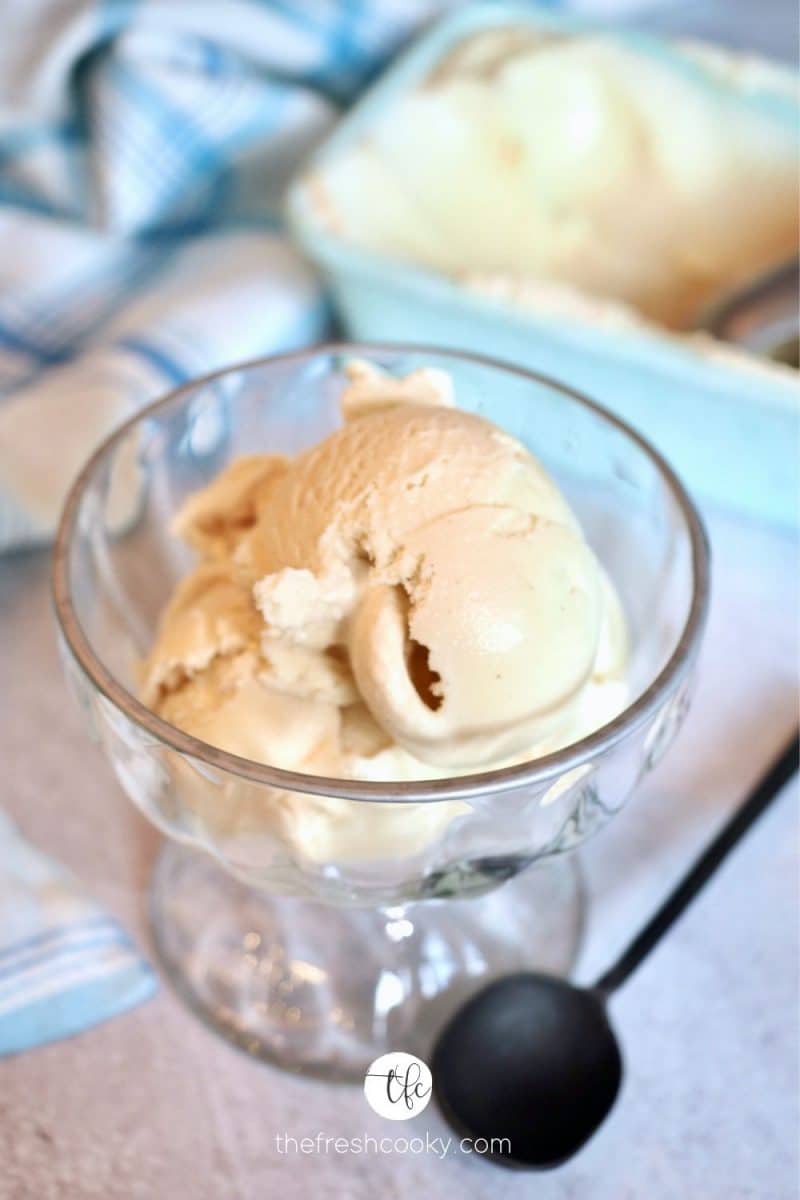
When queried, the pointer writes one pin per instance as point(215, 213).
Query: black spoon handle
point(681, 897)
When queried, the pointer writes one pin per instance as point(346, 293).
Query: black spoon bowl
point(531, 1063)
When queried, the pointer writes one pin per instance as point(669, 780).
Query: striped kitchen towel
point(144, 149)
point(145, 146)
point(64, 964)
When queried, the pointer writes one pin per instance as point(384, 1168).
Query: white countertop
point(151, 1104)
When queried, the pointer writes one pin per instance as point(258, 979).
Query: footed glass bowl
point(320, 922)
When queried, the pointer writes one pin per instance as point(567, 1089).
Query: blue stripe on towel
point(61, 1015)
point(64, 964)
point(47, 936)
point(62, 953)
point(16, 340)
point(157, 357)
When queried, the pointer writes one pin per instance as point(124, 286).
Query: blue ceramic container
point(729, 425)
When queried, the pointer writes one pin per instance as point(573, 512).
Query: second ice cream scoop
point(484, 638)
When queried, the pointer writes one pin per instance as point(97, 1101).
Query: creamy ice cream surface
point(653, 176)
point(410, 598)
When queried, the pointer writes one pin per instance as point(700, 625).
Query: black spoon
point(533, 1059)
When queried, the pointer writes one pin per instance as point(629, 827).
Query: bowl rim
point(531, 772)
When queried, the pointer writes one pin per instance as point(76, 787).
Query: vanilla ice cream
point(649, 175)
point(409, 599)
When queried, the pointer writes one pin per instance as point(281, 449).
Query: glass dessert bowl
point(316, 921)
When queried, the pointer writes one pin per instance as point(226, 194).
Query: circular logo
point(398, 1086)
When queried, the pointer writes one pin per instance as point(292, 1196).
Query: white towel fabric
point(64, 964)
point(144, 149)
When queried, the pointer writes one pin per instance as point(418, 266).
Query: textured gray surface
point(151, 1104)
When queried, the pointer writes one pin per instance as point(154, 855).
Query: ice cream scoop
point(486, 637)
point(412, 597)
